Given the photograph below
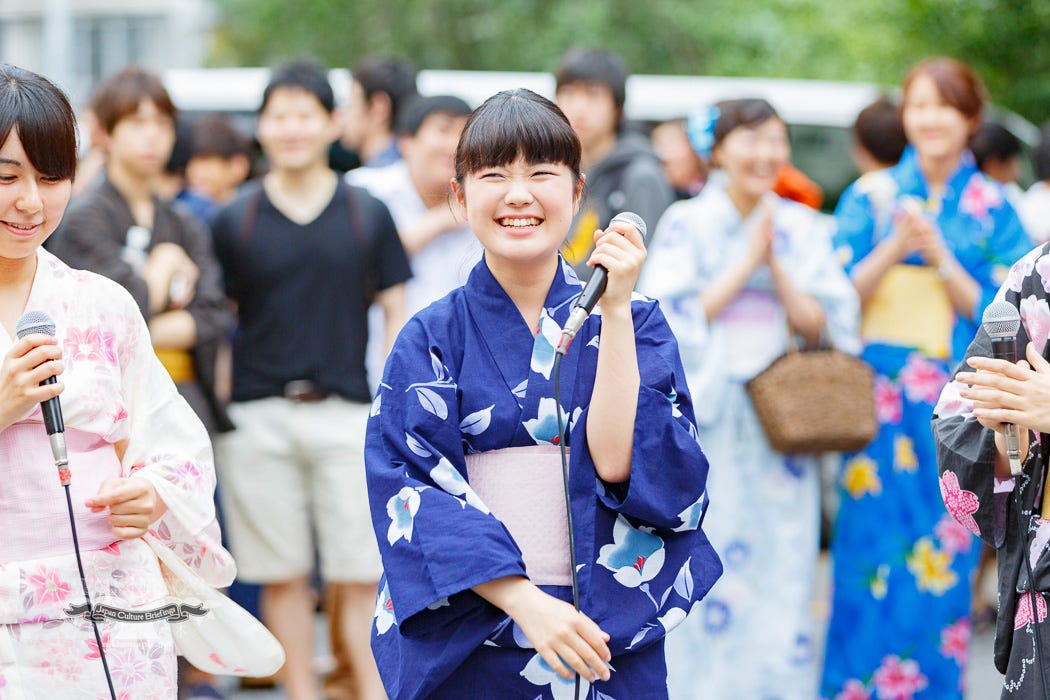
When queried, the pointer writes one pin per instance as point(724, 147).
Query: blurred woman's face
point(935, 128)
point(752, 157)
point(31, 203)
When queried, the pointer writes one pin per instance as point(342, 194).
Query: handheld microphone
point(1001, 321)
point(40, 322)
point(594, 288)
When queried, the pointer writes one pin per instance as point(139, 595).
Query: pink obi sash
point(524, 489)
point(33, 515)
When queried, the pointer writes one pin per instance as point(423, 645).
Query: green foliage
point(826, 39)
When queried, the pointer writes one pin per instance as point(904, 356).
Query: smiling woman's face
point(934, 127)
point(520, 212)
point(31, 203)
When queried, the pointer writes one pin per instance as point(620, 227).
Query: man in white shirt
point(441, 248)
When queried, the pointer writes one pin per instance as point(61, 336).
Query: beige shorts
point(290, 469)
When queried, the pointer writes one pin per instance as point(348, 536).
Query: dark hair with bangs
point(512, 124)
point(121, 94)
point(957, 83)
point(39, 112)
point(733, 114)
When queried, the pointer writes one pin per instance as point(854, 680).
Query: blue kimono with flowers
point(467, 375)
point(902, 566)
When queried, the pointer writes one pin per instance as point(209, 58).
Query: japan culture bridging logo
point(172, 610)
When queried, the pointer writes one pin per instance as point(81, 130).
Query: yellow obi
point(910, 308)
point(179, 364)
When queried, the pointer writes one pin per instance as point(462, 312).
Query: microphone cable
point(563, 443)
point(83, 582)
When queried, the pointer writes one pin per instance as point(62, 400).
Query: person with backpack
point(304, 255)
point(623, 171)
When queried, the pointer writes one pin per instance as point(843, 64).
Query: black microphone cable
point(40, 322)
point(563, 444)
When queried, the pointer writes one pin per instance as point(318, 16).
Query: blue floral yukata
point(468, 376)
point(902, 566)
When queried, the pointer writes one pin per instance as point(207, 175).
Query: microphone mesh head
point(1001, 320)
point(629, 217)
point(34, 322)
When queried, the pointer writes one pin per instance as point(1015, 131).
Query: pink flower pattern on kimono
point(1035, 315)
point(1023, 614)
point(1020, 270)
point(898, 680)
point(953, 535)
point(48, 587)
point(92, 652)
point(888, 406)
point(128, 668)
point(922, 379)
point(91, 344)
point(955, 641)
point(960, 503)
point(854, 690)
point(1042, 267)
point(979, 197)
point(952, 403)
point(187, 474)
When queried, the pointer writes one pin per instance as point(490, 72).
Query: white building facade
point(79, 42)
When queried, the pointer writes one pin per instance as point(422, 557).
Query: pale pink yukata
point(123, 416)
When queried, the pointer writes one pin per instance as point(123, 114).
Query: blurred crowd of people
point(275, 282)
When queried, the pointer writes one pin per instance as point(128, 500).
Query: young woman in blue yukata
point(927, 244)
point(462, 452)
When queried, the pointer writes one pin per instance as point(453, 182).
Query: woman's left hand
point(620, 249)
point(133, 505)
point(1003, 392)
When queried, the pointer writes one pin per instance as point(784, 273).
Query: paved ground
point(984, 681)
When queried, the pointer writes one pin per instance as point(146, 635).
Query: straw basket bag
point(815, 401)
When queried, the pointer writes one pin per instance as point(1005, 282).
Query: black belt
point(304, 391)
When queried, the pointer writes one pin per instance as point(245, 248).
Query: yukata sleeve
point(168, 445)
point(675, 273)
point(966, 460)
point(436, 537)
point(824, 279)
point(1005, 246)
point(966, 449)
point(854, 227)
point(667, 487)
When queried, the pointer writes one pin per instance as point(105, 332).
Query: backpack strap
point(246, 229)
point(357, 224)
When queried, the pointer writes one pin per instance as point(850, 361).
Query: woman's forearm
point(717, 295)
point(614, 401)
point(868, 273)
point(804, 313)
point(964, 291)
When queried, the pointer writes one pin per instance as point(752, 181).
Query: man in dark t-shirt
point(304, 255)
